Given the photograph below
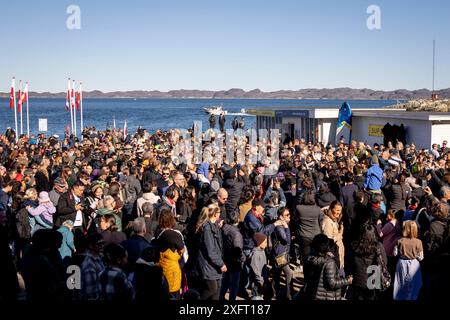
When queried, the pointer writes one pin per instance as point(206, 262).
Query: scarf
point(260, 218)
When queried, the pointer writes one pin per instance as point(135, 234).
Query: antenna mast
point(434, 96)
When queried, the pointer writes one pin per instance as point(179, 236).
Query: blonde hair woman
point(42, 176)
point(210, 256)
point(408, 278)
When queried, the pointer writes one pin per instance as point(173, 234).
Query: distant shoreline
point(302, 94)
point(195, 98)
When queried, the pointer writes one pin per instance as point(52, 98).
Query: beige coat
point(331, 230)
point(244, 209)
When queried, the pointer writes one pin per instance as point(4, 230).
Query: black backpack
point(23, 224)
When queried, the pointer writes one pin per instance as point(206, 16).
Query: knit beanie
point(259, 238)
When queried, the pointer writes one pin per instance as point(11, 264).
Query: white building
point(319, 124)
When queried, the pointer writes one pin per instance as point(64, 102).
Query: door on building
point(291, 130)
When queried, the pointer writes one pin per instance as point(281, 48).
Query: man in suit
point(70, 207)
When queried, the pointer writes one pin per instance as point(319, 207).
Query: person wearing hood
point(44, 211)
point(374, 176)
point(148, 196)
point(202, 172)
point(324, 197)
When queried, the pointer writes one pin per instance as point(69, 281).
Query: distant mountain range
point(337, 93)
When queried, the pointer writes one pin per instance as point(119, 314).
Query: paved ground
point(298, 283)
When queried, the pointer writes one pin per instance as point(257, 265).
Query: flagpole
point(21, 107)
point(15, 109)
point(74, 110)
point(125, 130)
point(69, 102)
point(28, 115)
point(81, 108)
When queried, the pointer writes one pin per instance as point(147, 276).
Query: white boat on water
point(215, 110)
point(218, 110)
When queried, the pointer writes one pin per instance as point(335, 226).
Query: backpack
point(128, 192)
point(23, 224)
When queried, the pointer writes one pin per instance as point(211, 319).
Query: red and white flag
point(114, 124)
point(25, 93)
point(125, 132)
point(19, 95)
point(23, 96)
point(68, 96)
point(72, 96)
point(78, 98)
point(13, 94)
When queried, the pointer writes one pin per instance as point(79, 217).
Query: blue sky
point(211, 44)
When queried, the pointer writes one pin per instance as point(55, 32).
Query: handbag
point(385, 276)
point(281, 260)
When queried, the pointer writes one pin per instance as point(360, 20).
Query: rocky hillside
point(425, 105)
point(236, 93)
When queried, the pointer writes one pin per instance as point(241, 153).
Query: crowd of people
point(361, 222)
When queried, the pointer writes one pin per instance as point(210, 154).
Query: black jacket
point(232, 247)
point(66, 209)
point(323, 280)
point(150, 283)
point(434, 238)
point(234, 189)
point(150, 175)
point(359, 264)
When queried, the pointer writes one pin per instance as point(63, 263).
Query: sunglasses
point(165, 173)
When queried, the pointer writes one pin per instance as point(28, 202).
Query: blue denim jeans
point(230, 280)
